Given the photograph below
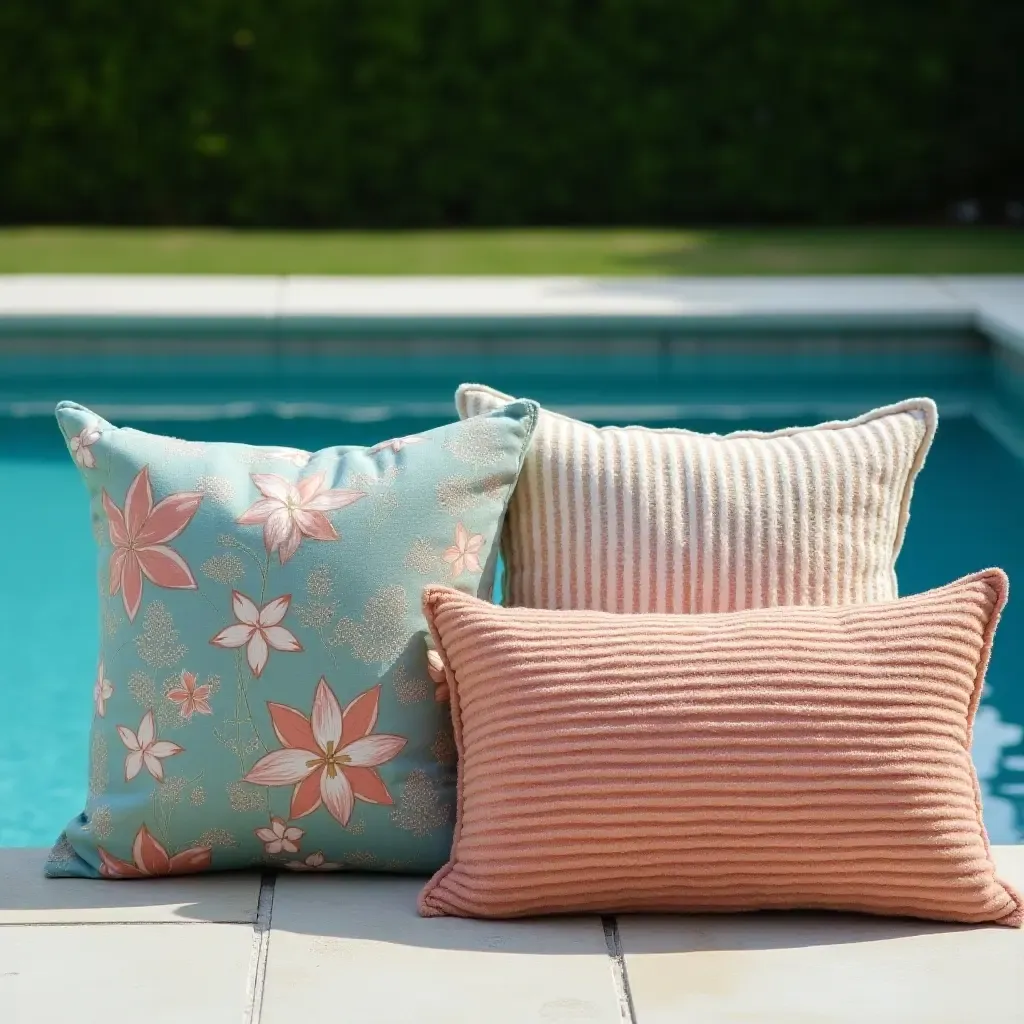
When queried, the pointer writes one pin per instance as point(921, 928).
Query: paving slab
point(109, 974)
point(824, 968)
point(27, 897)
point(353, 948)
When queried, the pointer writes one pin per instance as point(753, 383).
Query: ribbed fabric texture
point(793, 757)
point(627, 519)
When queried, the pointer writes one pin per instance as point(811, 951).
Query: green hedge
point(491, 112)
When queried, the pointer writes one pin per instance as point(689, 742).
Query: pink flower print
point(81, 447)
point(397, 444)
point(280, 836)
point(191, 699)
point(330, 757)
point(149, 859)
point(314, 862)
point(462, 555)
point(102, 691)
point(290, 512)
point(145, 749)
point(140, 535)
point(435, 669)
point(258, 629)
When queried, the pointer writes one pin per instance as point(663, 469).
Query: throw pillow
point(263, 695)
point(627, 519)
point(781, 758)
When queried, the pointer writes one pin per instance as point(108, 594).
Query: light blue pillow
point(263, 694)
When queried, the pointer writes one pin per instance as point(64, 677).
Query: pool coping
point(285, 306)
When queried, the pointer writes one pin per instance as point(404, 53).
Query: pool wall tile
point(372, 376)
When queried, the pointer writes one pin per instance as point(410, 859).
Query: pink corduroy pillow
point(814, 757)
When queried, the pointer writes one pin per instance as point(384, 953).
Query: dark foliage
point(495, 112)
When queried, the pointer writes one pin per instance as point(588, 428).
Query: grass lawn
point(540, 251)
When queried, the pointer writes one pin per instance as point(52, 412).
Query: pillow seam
point(920, 456)
point(428, 903)
point(996, 580)
point(908, 405)
point(531, 422)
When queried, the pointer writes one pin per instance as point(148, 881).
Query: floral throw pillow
point(263, 694)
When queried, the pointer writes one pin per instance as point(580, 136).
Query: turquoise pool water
point(967, 515)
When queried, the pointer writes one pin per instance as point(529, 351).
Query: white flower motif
point(102, 691)
point(145, 749)
point(258, 629)
point(290, 511)
point(462, 555)
point(81, 447)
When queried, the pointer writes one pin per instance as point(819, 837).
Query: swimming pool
point(966, 513)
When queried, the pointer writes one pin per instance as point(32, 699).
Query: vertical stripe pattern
point(792, 757)
point(628, 519)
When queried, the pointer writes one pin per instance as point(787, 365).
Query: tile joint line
point(620, 977)
point(257, 975)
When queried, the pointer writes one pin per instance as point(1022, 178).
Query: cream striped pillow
point(629, 519)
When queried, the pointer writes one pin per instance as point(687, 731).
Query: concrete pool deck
point(991, 304)
point(292, 950)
